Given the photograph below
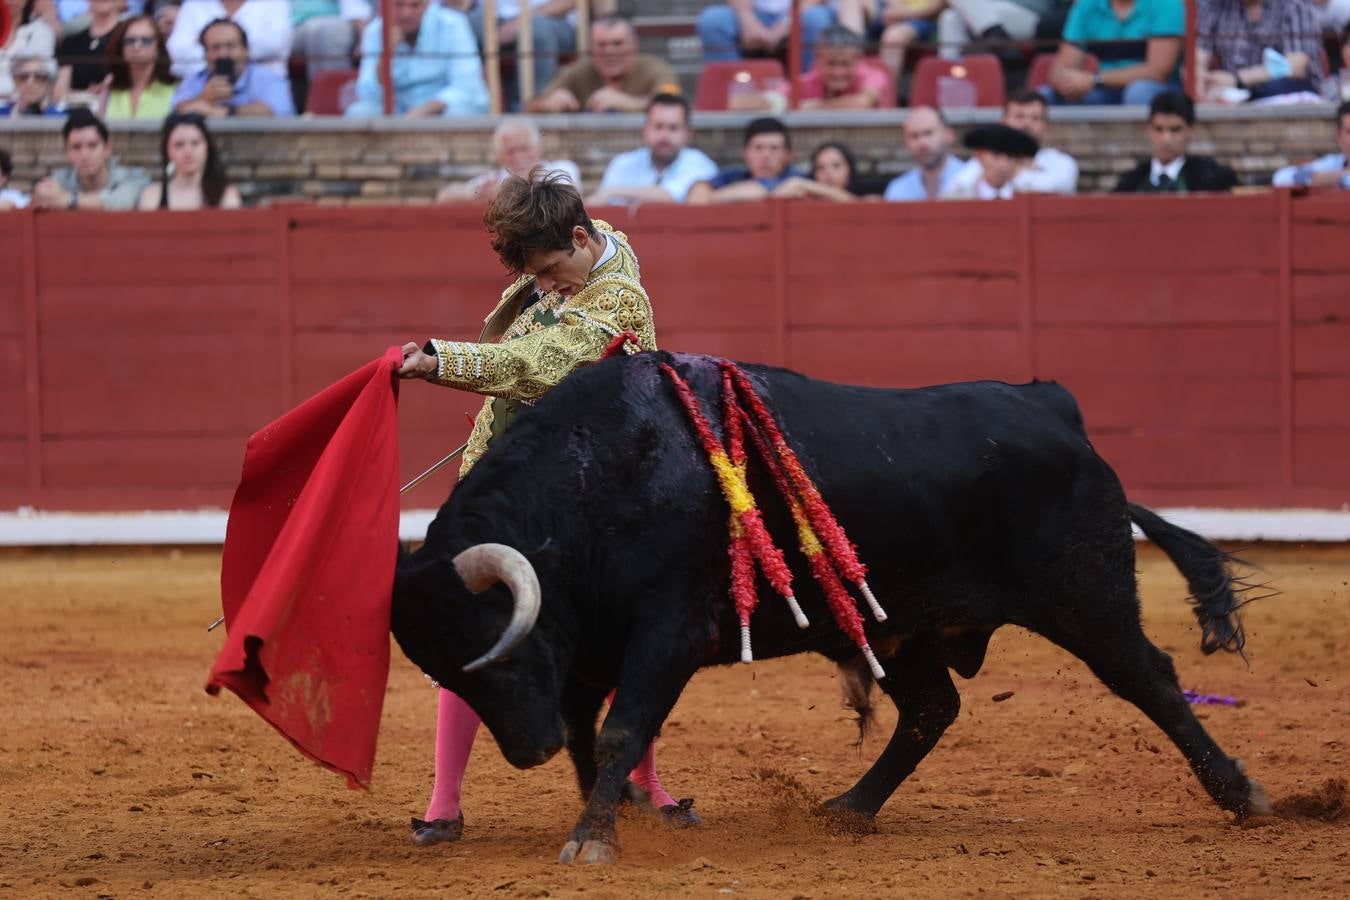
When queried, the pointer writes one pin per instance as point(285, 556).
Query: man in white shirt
point(1051, 172)
point(266, 22)
point(1003, 152)
point(664, 168)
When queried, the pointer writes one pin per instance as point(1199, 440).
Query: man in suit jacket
point(1171, 120)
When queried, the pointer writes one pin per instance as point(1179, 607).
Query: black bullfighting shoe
point(437, 831)
point(681, 814)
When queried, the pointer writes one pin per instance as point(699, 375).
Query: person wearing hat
point(1002, 151)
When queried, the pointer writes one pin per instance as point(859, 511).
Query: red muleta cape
point(307, 570)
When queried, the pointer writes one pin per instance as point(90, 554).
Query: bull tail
point(1215, 589)
point(855, 679)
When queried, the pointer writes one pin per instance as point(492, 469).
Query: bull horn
point(483, 565)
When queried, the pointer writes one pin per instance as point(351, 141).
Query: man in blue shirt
point(664, 168)
point(928, 139)
point(768, 163)
point(1137, 44)
point(436, 70)
point(1332, 170)
point(230, 85)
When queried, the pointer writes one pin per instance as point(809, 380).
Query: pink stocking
point(456, 725)
point(645, 777)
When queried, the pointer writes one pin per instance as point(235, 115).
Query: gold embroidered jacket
point(524, 352)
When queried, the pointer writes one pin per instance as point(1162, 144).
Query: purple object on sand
point(1195, 698)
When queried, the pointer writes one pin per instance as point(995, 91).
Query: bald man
point(929, 141)
point(516, 149)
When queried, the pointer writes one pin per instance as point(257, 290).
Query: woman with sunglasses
point(31, 33)
point(139, 83)
point(194, 174)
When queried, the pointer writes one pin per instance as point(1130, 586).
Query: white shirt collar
point(611, 248)
point(1172, 170)
point(985, 191)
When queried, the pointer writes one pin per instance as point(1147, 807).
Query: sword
point(436, 467)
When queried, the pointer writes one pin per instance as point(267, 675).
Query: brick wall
point(337, 162)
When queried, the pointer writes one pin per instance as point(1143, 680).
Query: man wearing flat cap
point(1003, 151)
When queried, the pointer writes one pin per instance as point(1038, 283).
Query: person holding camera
point(231, 85)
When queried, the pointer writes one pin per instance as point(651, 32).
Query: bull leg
point(649, 685)
point(580, 708)
point(922, 690)
point(1129, 664)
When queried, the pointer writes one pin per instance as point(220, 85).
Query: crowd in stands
point(185, 64)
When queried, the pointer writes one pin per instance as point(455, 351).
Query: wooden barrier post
point(387, 55)
point(525, 52)
point(584, 26)
point(492, 57)
point(794, 54)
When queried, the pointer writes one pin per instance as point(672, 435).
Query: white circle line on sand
point(37, 528)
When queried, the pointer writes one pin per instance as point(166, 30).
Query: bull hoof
point(592, 852)
point(437, 831)
point(1258, 802)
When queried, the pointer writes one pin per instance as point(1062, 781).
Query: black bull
point(974, 505)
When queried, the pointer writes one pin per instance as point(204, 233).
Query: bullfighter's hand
point(416, 364)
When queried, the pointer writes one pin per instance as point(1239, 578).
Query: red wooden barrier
point(1204, 337)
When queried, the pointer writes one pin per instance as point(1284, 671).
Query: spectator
point(1051, 172)
point(9, 198)
point(82, 54)
point(768, 163)
point(995, 24)
point(1332, 170)
point(928, 139)
point(32, 78)
point(664, 168)
point(553, 32)
point(165, 13)
point(517, 149)
point(229, 84)
point(616, 78)
point(760, 28)
point(139, 83)
point(1002, 152)
point(832, 177)
point(193, 172)
point(1264, 48)
point(325, 33)
point(1171, 118)
point(1137, 44)
point(902, 24)
point(436, 70)
point(1334, 15)
point(840, 79)
point(266, 25)
point(33, 36)
point(94, 179)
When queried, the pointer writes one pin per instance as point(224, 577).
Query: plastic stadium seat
point(716, 77)
point(1039, 75)
point(331, 91)
point(982, 70)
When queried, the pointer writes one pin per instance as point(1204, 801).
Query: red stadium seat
point(716, 77)
point(1039, 76)
point(982, 70)
point(331, 91)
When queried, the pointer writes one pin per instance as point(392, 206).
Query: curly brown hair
point(534, 214)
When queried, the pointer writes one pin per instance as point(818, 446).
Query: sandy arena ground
point(120, 777)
